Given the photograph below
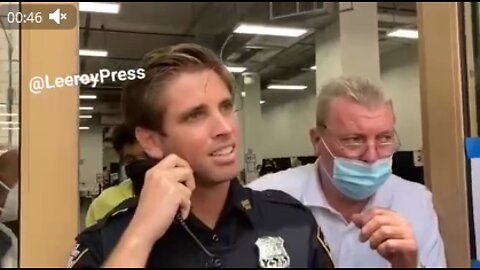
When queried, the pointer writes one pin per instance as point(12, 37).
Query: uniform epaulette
point(280, 197)
point(122, 208)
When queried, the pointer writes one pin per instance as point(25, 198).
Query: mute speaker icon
point(55, 16)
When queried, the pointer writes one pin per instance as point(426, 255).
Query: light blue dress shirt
point(411, 200)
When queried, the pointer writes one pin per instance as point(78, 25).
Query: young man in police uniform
point(190, 212)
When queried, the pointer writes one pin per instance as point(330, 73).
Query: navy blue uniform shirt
point(255, 229)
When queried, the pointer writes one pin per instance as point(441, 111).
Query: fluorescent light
point(243, 94)
point(262, 101)
point(11, 128)
point(96, 53)
point(255, 47)
point(9, 114)
point(269, 30)
point(84, 128)
point(111, 8)
point(404, 33)
point(86, 108)
point(236, 69)
point(86, 117)
point(287, 87)
point(8, 123)
point(88, 97)
point(313, 67)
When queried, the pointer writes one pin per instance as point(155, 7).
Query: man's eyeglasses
point(355, 145)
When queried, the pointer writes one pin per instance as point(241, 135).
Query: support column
point(349, 46)
point(252, 125)
point(49, 201)
point(443, 121)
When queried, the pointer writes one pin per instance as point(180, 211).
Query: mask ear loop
point(328, 148)
point(8, 190)
point(322, 167)
point(5, 186)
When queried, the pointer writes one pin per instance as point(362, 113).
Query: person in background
point(267, 167)
point(296, 162)
point(105, 174)
point(370, 217)
point(9, 226)
point(128, 150)
point(9, 177)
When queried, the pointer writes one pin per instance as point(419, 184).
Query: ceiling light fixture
point(404, 33)
point(256, 29)
point(94, 53)
point(111, 8)
point(88, 97)
point(286, 87)
point(236, 69)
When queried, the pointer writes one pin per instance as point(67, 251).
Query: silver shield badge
point(272, 253)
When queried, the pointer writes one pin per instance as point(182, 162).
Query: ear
point(390, 103)
point(315, 139)
point(150, 142)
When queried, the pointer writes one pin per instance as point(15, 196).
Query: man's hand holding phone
point(167, 190)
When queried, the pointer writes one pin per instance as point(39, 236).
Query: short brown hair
point(141, 97)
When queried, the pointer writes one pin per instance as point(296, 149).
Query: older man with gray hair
point(370, 217)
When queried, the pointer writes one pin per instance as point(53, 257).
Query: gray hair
point(358, 89)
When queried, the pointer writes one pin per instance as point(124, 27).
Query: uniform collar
point(238, 207)
point(313, 195)
point(240, 199)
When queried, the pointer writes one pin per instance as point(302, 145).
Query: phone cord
point(184, 225)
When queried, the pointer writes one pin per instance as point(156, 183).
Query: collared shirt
point(8, 248)
point(411, 200)
point(254, 228)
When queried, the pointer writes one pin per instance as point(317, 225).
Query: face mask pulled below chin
point(358, 180)
point(9, 211)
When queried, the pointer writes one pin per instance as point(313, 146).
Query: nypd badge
point(272, 253)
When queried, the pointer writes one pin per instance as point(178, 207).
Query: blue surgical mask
point(358, 180)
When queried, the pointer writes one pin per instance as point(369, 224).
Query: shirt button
point(217, 263)
point(214, 262)
point(215, 238)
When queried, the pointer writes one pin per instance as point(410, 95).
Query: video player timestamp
point(40, 16)
point(19, 17)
